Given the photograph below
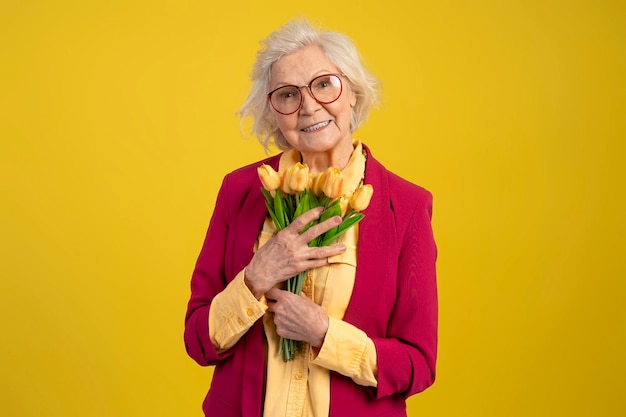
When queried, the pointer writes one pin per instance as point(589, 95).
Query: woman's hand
point(297, 317)
point(288, 253)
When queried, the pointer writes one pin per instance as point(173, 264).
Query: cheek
point(282, 121)
point(287, 125)
point(344, 112)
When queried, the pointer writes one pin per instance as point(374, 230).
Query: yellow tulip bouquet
point(298, 191)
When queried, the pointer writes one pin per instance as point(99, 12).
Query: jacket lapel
point(374, 246)
point(248, 224)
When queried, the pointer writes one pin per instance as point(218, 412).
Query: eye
point(322, 83)
point(286, 93)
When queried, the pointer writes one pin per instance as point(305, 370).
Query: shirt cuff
point(233, 311)
point(348, 350)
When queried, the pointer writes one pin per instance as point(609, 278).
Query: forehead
point(300, 66)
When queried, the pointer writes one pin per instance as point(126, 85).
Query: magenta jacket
point(394, 299)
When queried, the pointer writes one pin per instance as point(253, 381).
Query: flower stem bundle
point(297, 192)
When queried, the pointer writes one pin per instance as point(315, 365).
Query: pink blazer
point(394, 299)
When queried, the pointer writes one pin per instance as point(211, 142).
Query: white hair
point(294, 35)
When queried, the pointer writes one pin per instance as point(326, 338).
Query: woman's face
point(316, 127)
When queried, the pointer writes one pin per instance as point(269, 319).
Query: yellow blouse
point(301, 388)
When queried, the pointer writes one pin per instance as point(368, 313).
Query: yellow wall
point(117, 125)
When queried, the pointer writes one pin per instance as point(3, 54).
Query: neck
point(337, 157)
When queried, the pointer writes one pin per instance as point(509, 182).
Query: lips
point(316, 126)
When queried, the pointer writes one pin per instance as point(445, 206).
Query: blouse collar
point(352, 173)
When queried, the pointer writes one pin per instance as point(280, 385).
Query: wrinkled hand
point(287, 254)
point(297, 317)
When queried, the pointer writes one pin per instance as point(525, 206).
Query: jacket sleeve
point(207, 281)
point(407, 356)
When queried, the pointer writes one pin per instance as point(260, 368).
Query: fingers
point(274, 297)
point(305, 218)
point(321, 228)
point(277, 296)
point(314, 231)
point(297, 317)
point(273, 294)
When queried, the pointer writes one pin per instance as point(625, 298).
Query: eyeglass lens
point(325, 89)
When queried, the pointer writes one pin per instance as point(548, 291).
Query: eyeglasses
point(324, 89)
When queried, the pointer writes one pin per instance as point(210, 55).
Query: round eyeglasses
point(324, 89)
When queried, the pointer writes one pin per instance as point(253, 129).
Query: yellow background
point(117, 124)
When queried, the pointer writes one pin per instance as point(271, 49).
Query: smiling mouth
point(317, 126)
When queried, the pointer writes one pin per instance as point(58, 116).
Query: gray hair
point(294, 35)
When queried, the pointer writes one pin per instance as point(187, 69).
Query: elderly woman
point(367, 315)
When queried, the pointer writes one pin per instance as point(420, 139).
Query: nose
point(309, 104)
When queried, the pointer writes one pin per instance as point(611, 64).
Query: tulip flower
point(269, 178)
point(284, 185)
point(317, 185)
point(333, 183)
point(361, 197)
point(299, 177)
point(292, 176)
point(312, 179)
